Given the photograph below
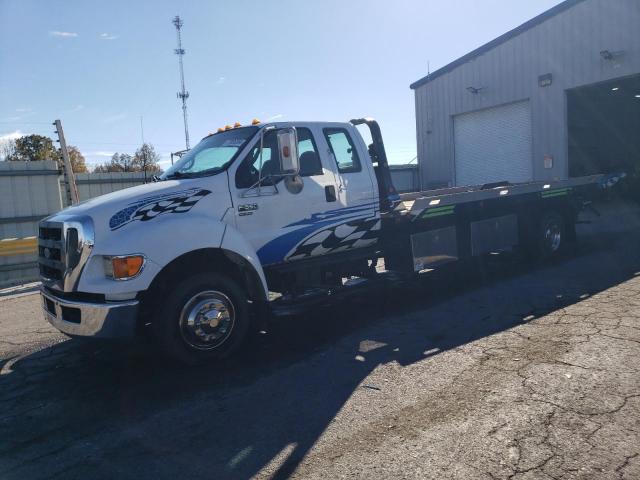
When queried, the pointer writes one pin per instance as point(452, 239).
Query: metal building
point(558, 96)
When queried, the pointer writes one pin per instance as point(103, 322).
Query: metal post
point(69, 177)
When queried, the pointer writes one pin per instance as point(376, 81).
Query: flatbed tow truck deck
point(417, 202)
point(449, 224)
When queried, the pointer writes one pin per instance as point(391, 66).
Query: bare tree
point(8, 150)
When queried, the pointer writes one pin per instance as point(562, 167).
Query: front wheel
point(206, 317)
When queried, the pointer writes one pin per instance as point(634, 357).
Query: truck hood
point(209, 196)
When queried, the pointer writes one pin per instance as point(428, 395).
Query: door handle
point(330, 193)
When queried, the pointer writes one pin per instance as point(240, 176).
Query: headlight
point(123, 267)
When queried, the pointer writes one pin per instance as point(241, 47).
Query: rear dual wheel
point(204, 318)
point(548, 237)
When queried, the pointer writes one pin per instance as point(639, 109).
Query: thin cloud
point(114, 118)
point(77, 108)
point(57, 33)
point(20, 114)
point(14, 118)
point(108, 36)
point(221, 80)
point(100, 153)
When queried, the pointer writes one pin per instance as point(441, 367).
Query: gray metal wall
point(567, 46)
point(30, 191)
point(405, 178)
point(92, 185)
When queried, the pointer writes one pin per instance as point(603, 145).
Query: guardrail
point(18, 246)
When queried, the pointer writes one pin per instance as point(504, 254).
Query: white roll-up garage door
point(493, 145)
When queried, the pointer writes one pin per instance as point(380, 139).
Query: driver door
point(270, 214)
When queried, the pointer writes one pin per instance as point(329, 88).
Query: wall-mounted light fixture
point(475, 90)
point(545, 80)
point(611, 56)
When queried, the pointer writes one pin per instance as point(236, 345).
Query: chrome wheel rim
point(207, 320)
point(553, 236)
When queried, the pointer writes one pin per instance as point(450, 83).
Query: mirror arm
point(266, 129)
point(257, 185)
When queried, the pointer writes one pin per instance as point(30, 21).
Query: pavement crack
point(620, 469)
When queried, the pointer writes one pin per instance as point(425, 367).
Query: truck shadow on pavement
point(78, 409)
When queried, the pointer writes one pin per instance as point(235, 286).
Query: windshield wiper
point(202, 173)
point(178, 174)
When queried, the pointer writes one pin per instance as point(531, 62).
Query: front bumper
point(84, 319)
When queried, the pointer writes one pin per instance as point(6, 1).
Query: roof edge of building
point(537, 20)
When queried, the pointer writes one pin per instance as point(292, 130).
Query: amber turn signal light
point(126, 267)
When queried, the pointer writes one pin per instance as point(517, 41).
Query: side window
point(248, 172)
point(343, 150)
point(310, 163)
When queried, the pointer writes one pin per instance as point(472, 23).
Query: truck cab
point(335, 181)
point(247, 212)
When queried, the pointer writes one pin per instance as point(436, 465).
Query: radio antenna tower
point(182, 94)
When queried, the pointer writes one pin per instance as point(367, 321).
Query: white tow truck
point(273, 218)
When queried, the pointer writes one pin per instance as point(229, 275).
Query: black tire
point(178, 338)
point(551, 236)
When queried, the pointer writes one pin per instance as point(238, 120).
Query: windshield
point(212, 155)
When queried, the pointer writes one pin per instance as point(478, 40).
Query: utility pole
point(182, 94)
point(69, 177)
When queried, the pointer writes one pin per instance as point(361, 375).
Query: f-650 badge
point(247, 209)
point(149, 208)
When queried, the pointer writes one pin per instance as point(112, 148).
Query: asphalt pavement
point(499, 370)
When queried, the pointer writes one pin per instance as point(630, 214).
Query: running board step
point(323, 296)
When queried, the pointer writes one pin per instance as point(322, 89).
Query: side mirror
point(288, 147)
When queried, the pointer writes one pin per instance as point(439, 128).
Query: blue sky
point(100, 65)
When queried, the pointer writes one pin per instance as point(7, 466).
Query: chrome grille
point(50, 252)
point(51, 233)
point(64, 246)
